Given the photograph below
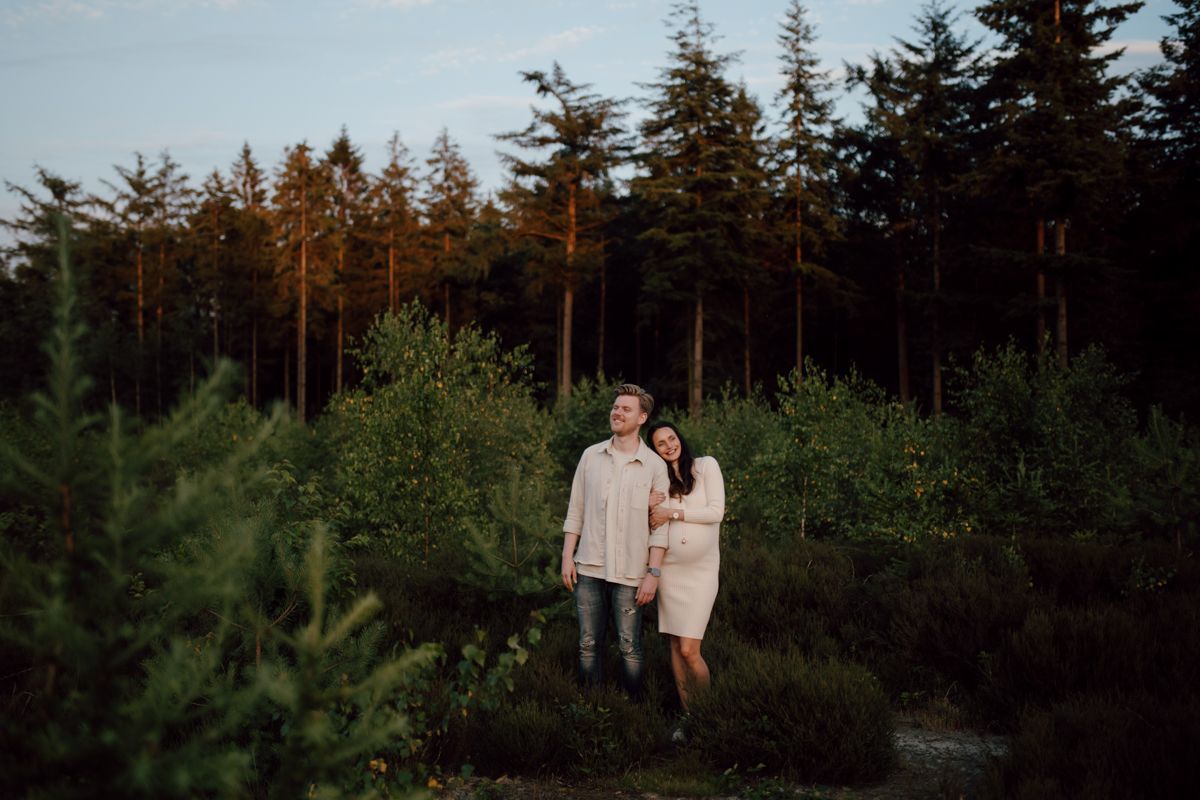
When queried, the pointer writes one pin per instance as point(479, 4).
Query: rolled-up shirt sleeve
point(574, 521)
point(660, 483)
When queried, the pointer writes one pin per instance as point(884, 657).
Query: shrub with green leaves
point(436, 423)
point(858, 465)
point(817, 720)
point(1049, 449)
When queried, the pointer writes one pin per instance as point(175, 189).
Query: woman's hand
point(659, 515)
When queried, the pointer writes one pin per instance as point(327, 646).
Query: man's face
point(626, 415)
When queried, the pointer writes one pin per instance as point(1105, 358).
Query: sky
point(86, 84)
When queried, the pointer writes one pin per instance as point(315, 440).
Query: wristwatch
point(655, 571)
point(674, 515)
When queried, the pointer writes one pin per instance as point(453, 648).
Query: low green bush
point(779, 595)
point(1121, 747)
point(935, 620)
point(1050, 448)
point(816, 720)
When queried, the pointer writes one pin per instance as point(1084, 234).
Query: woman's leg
point(695, 670)
point(679, 670)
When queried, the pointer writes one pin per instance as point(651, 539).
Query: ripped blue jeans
point(595, 601)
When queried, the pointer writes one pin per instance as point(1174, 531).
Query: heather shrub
point(1113, 746)
point(797, 595)
point(942, 612)
point(816, 720)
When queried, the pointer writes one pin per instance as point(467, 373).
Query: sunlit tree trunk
point(746, 339)
point(696, 395)
point(341, 319)
point(141, 331)
point(568, 323)
point(302, 322)
point(902, 335)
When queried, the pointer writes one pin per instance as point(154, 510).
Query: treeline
point(1018, 192)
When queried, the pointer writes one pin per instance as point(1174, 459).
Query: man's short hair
point(644, 398)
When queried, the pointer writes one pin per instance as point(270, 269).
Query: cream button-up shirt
point(619, 555)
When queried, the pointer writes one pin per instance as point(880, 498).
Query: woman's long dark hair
point(685, 481)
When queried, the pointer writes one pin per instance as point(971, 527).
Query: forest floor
point(931, 763)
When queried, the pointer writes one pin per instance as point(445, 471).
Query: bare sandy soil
point(936, 764)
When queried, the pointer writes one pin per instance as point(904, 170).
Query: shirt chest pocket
point(639, 492)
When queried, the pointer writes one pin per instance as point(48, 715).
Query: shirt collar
point(610, 447)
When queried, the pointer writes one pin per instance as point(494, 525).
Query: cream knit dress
point(688, 587)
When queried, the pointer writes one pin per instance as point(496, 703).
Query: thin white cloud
point(476, 102)
point(397, 4)
point(1132, 47)
point(554, 43)
point(63, 10)
point(453, 58)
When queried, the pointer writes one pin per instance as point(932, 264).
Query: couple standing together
point(643, 523)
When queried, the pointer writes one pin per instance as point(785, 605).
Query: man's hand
point(569, 578)
point(647, 589)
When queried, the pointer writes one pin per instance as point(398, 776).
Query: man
point(615, 570)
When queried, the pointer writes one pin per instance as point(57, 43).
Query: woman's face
point(666, 443)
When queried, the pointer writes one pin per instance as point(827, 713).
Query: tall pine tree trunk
point(568, 293)
point(901, 334)
point(1041, 287)
point(937, 306)
point(603, 313)
point(696, 390)
point(302, 322)
point(746, 339)
point(799, 225)
point(1060, 292)
point(392, 271)
point(254, 336)
point(446, 278)
point(341, 319)
point(141, 332)
point(158, 321)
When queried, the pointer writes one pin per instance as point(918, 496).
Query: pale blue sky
point(86, 83)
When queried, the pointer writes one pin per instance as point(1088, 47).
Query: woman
point(688, 586)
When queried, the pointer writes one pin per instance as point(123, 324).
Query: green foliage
point(579, 422)
point(517, 550)
point(1167, 463)
point(823, 721)
point(434, 424)
point(116, 632)
point(1049, 447)
point(861, 466)
point(335, 703)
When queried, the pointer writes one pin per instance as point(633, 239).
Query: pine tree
point(302, 191)
point(116, 676)
point(450, 206)
point(562, 199)
point(172, 199)
point(805, 157)
point(348, 200)
point(32, 265)
point(396, 221)
point(133, 211)
point(1058, 126)
point(934, 95)
point(252, 247)
point(688, 180)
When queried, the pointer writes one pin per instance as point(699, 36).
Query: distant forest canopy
point(1021, 192)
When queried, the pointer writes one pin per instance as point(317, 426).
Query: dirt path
point(939, 765)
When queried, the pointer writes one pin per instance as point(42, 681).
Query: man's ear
point(642, 417)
